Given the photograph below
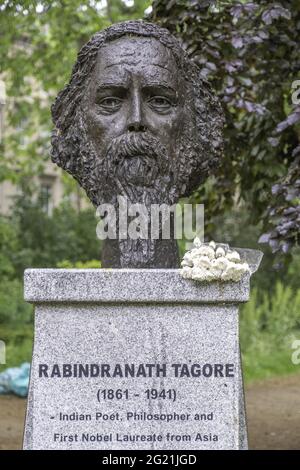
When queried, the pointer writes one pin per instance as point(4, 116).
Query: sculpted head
point(136, 118)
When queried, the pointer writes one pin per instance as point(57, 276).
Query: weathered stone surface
point(89, 317)
point(127, 285)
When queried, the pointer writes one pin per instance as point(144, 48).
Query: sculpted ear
point(201, 147)
point(65, 150)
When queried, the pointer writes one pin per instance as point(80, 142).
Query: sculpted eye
point(110, 104)
point(160, 103)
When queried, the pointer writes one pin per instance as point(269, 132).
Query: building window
point(2, 105)
point(45, 198)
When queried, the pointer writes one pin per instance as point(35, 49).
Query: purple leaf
point(276, 189)
point(274, 141)
point(236, 11)
point(292, 194)
point(274, 244)
point(264, 238)
point(274, 13)
point(290, 210)
point(263, 34)
point(211, 66)
point(230, 90)
point(293, 118)
point(234, 65)
point(296, 151)
point(286, 247)
point(237, 42)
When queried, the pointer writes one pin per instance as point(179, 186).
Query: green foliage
point(8, 245)
point(38, 47)
point(13, 309)
point(250, 52)
point(30, 238)
point(293, 271)
point(93, 264)
point(268, 326)
point(260, 365)
point(45, 241)
point(237, 229)
point(18, 340)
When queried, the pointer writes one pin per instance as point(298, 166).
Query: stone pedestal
point(134, 359)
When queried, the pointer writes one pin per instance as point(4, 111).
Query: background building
point(47, 186)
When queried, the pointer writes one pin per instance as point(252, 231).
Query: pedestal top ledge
point(129, 286)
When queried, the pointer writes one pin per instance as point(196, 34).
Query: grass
point(18, 341)
point(259, 366)
point(268, 325)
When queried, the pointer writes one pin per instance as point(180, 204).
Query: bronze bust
point(137, 119)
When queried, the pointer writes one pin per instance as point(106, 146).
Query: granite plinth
point(134, 359)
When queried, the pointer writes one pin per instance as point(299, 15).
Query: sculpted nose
point(135, 118)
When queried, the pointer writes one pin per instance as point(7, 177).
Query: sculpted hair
point(200, 153)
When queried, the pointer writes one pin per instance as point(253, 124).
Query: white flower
point(229, 272)
point(202, 262)
point(211, 263)
point(204, 250)
point(217, 267)
point(210, 276)
point(197, 242)
point(220, 252)
point(198, 274)
point(187, 259)
point(234, 272)
point(184, 263)
point(201, 274)
point(244, 268)
point(233, 256)
point(220, 263)
point(186, 272)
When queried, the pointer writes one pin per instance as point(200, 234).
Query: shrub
point(92, 264)
point(13, 309)
point(45, 241)
point(267, 328)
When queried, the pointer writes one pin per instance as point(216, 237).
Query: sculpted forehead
point(145, 56)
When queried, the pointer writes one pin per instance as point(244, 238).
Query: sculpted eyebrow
point(106, 86)
point(160, 88)
point(159, 85)
point(116, 89)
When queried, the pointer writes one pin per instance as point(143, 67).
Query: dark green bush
point(45, 241)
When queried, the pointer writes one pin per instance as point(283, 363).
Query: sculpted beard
point(137, 159)
point(138, 167)
point(136, 164)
